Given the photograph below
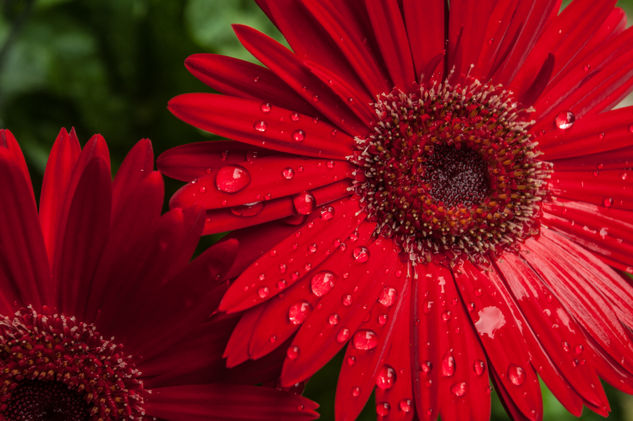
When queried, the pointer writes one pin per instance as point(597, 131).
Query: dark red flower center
point(451, 170)
point(53, 367)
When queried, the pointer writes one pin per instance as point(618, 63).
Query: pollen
point(451, 171)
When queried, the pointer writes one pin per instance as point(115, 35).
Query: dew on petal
point(248, 209)
point(294, 116)
point(459, 389)
point(631, 127)
point(260, 126)
point(232, 179)
point(479, 367)
point(382, 409)
point(346, 300)
point(293, 352)
point(343, 335)
point(303, 203)
point(265, 107)
point(516, 375)
point(263, 292)
point(288, 173)
point(297, 313)
point(333, 319)
point(406, 405)
point(356, 391)
point(351, 360)
point(360, 254)
point(386, 378)
point(298, 135)
point(322, 283)
point(327, 213)
point(564, 120)
point(382, 319)
point(608, 202)
point(388, 297)
point(448, 365)
point(365, 340)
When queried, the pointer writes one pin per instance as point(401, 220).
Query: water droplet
point(343, 335)
point(579, 348)
point(565, 120)
point(631, 128)
point(406, 405)
point(272, 339)
point(608, 202)
point(356, 391)
point(479, 367)
point(298, 135)
point(360, 254)
point(232, 179)
point(303, 203)
point(263, 292)
point(426, 367)
point(333, 319)
point(388, 297)
point(459, 389)
point(293, 352)
point(351, 360)
point(288, 173)
point(260, 126)
point(382, 319)
point(297, 313)
point(365, 340)
point(382, 409)
point(448, 365)
point(265, 107)
point(386, 378)
point(516, 375)
point(294, 116)
point(322, 283)
point(327, 213)
point(346, 300)
point(256, 79)
point(249, 209)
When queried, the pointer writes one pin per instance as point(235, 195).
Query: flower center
point(53, 367)
point(451, 171)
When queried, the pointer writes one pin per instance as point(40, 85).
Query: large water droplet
point(263, 292)
point(365, 340)
point(360, 254)
point(388, 297)
point(386, 378)
point(516, 375)
point(448, 365)
point(304, 203)
point(260, 126)
point(232, 178)
point(293, 352)
point(297, 313)
point(459, 389)
point(322, 283)
point(565, 120)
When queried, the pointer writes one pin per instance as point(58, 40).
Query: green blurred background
point(110, 66)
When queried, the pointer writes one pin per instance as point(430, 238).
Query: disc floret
point(451, 171)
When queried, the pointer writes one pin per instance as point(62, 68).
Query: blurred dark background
point(110, 66)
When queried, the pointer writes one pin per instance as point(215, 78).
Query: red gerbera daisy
point(462, 195)
point(102, 316)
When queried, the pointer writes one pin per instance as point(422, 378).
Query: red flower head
point(102, 316)
point(460, 191)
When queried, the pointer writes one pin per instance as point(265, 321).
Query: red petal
point(251, 288)
point(228, 402)
point(59, 168)
point(425, 29)
point(15, 153)
point(333, 323)
point(269, 177)
point(24, 265)
point(243, 79)
point(277, 129)
point(391, 35)
point(236, 351)
point(362, 367)
point(450, 365)
point(286, 65)
point(138, 164)
point(604, 188)
point(498, 322)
